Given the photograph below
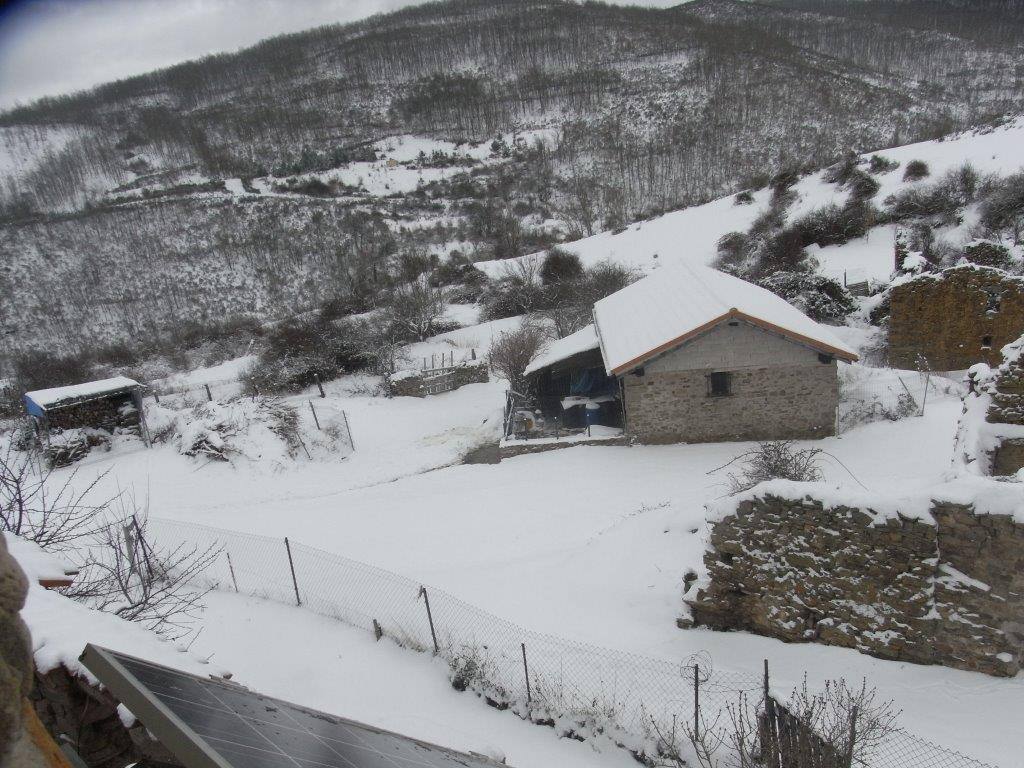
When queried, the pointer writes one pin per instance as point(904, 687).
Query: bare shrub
point(416, 309)
point(513, 350)
point(774, 460)
point(126, 575)
point(36, 507)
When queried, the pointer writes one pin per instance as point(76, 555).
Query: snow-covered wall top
point(988, 497)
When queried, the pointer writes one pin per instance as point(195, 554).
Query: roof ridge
point(703, 284)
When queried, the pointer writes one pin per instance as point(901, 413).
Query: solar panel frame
point(198, 742)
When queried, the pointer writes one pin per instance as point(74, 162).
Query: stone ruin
point(990, 433)
point(931, 581)
point(952, 319)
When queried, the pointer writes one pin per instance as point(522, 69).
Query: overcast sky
point(48, 47)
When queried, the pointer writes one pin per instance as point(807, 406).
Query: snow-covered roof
point(583, 340)
point(55, 396)
point(677, 303)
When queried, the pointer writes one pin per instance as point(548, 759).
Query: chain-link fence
point(628, 696)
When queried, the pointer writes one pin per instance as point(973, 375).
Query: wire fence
point(888, 394)
point(630, 697)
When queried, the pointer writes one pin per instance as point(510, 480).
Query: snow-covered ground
point(588, 543)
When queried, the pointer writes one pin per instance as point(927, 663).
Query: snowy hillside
point(691, 234)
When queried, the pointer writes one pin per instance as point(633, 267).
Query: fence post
point(231, 568)
point(377, 631)
point(156, 396)
point(291, 566)
point(696, 702)
point(430, 618)
point(209, 395)
point(315, 419)
point(348, 430)
point(770, 741)
point(316, 378)
point(924, 400)
point(526, 674)
point(853, 737)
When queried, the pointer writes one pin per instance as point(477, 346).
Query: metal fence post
point(696, 702)
point(231, 568)
point(430, 618)
point(315, 419)
point(348, 430)
point(291, 565)
point(316, 378)
point(526, 674)
point(209, 394)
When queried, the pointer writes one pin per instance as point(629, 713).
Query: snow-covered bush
point(915, 170)
point(774, 460)
point(819, 297)
point(257, 429)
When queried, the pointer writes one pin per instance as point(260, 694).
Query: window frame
point(720, 376)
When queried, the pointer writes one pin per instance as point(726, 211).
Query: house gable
point(731, 345)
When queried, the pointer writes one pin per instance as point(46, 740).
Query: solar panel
point(208, 723)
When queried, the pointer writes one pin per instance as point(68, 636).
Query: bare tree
point(39, 507)
point(126, 575)
point(417, 308)
point(513, 350)
point(381, 344)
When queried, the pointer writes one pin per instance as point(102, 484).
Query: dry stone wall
point(953, 319)
point(418, 384)
point(939, 587)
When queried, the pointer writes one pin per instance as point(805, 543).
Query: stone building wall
point(955, 318)
point(415, 385)
point(780, 390)
point(770, 403)
point(939, 587)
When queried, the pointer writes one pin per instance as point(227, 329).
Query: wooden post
point(430, 618)
point(316, 378)
point(315, 419)
point(696, 702)
point(432, 363)
point(156, 396)
point(291, 566)
point(526, 674)
point(853, 737)
point(209, 395)
point(377, 631)
point(231, 568)
point(348, 430)
point(924, 400)
point(770, 740)
point(472, 354)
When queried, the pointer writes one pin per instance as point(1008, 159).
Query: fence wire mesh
point(565, 678)
point(888, 394)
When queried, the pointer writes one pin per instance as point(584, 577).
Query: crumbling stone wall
point(943, 590)
point(953, 319)
point(417, 385)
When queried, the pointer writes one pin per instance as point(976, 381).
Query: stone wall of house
point(416, 385)
point(951, 320)
point(776, 402)
point(940, 588)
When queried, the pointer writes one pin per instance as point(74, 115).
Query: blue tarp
point(592, 382)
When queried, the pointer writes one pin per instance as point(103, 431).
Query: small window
point(719, 384)
point(986, 342)
point(993, 301)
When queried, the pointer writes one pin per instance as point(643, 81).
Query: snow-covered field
point(588, 543)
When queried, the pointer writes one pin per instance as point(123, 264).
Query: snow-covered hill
point(691, 234)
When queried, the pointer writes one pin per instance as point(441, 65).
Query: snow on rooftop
point(675, 303)
point(583, 340)
point(57, 395)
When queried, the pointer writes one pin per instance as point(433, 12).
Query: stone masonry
point(782, 402)
point(416, 385)
point(945, 588)
point(953, 319)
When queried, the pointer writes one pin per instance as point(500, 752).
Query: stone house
point(690, 354)
point(952, 319)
